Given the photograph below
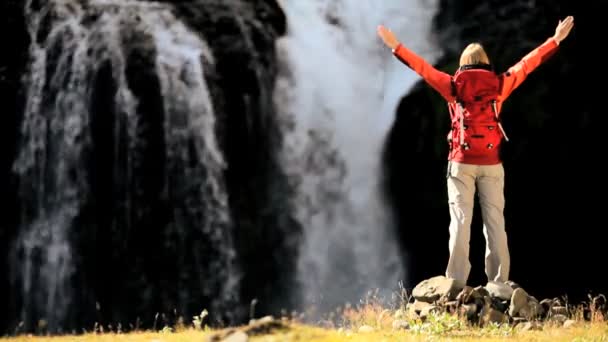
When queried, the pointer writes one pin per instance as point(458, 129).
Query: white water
point(338, 91)
point(56, 140)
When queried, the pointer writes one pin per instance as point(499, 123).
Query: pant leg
point(461, 194)
point(490, 184)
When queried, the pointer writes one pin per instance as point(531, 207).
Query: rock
point(518, 320)
point(465, 296)
point(483, 304)
point(499, 290)
point(414, 309)
point(451, 306)
point(491, 315)
point(400, 324)
point(512, 284)
point(534, 309)
point(479, 296)
point(435, 288)
point(426, 311)
point(519, 299)
point(500, 304)
point(569, 323)
point(487, 301)
point(529, 311)
point(524, 305)
point(469, 311)
point(480, 292)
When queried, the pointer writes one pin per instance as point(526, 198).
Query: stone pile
point(495, 302)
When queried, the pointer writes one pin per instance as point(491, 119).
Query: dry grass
point(579, 333)
point(589, 324)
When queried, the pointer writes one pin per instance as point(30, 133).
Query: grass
point(297, 332)
point(591, 331)
point(368, 321)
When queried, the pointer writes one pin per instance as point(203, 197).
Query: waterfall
point(159, 142)
point(338, 92)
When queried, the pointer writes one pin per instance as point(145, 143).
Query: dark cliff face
point(242, 36)
point(554, 120)
point(128, 273)
point(13, 59)
point(266, 233)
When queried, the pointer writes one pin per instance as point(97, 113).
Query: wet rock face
point(239, 73)
point(242, 36)
point(242, 85)
point(15, 41)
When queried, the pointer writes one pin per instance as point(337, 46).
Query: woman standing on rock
point(475, 95)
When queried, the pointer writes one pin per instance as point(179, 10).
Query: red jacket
point(510, 80)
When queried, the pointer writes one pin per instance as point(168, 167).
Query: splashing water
point(338, 92)
point(71, 41)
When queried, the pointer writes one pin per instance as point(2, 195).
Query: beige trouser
point(462, 180)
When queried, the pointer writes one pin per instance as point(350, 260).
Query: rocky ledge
point(495, 303)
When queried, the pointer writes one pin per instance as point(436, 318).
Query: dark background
point(555, 179)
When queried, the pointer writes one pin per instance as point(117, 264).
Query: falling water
point(71, 42)
point(338, 91)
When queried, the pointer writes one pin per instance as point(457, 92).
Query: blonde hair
point(474, 54)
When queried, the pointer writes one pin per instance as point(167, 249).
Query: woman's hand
point(563, 29)
point(388, 37)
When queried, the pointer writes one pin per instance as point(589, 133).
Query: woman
point(482, 172)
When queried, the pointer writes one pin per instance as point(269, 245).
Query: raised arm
point(516, 74)
point(440, 81)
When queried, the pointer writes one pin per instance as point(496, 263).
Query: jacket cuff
point(552, 41)
point(394, 51)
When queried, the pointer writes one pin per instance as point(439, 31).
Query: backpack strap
point(458, 115)
point(461, 123)
point(502, 130)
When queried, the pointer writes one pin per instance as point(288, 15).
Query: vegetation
point(369, 321)
point(437, 328)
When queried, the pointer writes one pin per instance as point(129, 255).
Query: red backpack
point(476, 132)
